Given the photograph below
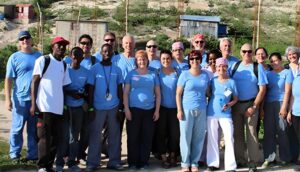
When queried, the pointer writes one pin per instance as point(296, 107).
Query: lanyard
point(107, 80)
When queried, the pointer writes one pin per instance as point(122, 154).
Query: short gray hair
point(225, 39)
point(294, 49)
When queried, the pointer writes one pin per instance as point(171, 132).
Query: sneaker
point(283, 163)
point(75, 168)
point(252, 169)
point(90, 169)
point(59, 168)
point(265, 164)
point(42, 170)
point(117, 167)
point(132, 168)
point(212, 168)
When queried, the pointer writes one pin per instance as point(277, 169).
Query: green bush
point(4, 55)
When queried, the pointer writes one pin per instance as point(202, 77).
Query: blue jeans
point(192, 135)
point(275, 125)
point(114, 138)
point(21, 115)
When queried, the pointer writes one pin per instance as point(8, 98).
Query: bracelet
point(91, 109)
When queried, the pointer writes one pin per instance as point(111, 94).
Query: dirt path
point(5, 125)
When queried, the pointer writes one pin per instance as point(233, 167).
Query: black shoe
point(230, 171)
point(211, 168)
point(117, 167)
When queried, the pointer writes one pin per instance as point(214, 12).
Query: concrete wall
point(190, 28)
point(71, 31)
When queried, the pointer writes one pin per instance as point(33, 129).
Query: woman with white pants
point(224, 96)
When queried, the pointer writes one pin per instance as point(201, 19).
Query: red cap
point(60, 40)
point(198, 36)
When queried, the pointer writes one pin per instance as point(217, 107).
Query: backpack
point(93, 60)
point(236, 66)
point(47, 62)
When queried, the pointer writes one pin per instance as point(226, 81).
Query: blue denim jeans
point(114, 138)
point(20, 116)
point(192, 135)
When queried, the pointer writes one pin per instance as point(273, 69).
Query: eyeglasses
point(197, 42)
point(109, 40)
point(196, 58)
point(151, 46)
point(26, 37)
point(247, 51)
point(85, 43)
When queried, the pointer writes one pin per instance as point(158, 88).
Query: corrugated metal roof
point(201, 18)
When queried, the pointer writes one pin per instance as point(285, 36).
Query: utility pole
point(297, 25)
point(126, 15)
point(180, 7)
point(256, 23)
point(40, 30)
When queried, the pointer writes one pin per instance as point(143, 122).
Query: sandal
point(185, 169)
point(165, 165)
point(194, 169)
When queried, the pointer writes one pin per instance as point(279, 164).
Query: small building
point(72, 29)
point(208, 25)
point(8, 11)
point(25, 13)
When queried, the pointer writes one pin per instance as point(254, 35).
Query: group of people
point(75, 106)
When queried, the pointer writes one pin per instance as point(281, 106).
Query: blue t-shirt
point(19, 68)
point(296, 94)
point(232, 60)
point(103, 77)
point(204, 63)
point(168, 85)
point(125, 64)
point(276, 84)
point(79, 79)
point(141, 94)
point(221, 95)
point(180, 66)
point(246, 81)
point(194, 89)
point(154, 65)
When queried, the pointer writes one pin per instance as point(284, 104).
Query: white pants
point(213, 154)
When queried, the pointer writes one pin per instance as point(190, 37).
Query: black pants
point(49, 128)
point(167, 131)
point(84, 137)
point(139, 136)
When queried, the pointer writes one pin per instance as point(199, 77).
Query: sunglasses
point(26, 37)
point(196, 58)
point(85, 43)
point(109, 40)
point(151, 46)
point(197, 42)
point(247, 51)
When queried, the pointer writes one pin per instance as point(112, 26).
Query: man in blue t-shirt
point(18, 75)
point(251, 90)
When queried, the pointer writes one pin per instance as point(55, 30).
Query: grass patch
point(7, 164)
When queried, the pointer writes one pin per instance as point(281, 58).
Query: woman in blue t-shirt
point(224, 96)
point(275, 111)
point(191, 111)
point(167, 127)
point(141, 104)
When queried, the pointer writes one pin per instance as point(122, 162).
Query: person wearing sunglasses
point(151, 49)
point(178, 62)
point(251, 89)
point(191, 104)
point(18, 76)
point(198, 43)
point(226, 50)
point(108, 38)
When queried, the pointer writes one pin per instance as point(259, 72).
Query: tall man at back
point(18, 75)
